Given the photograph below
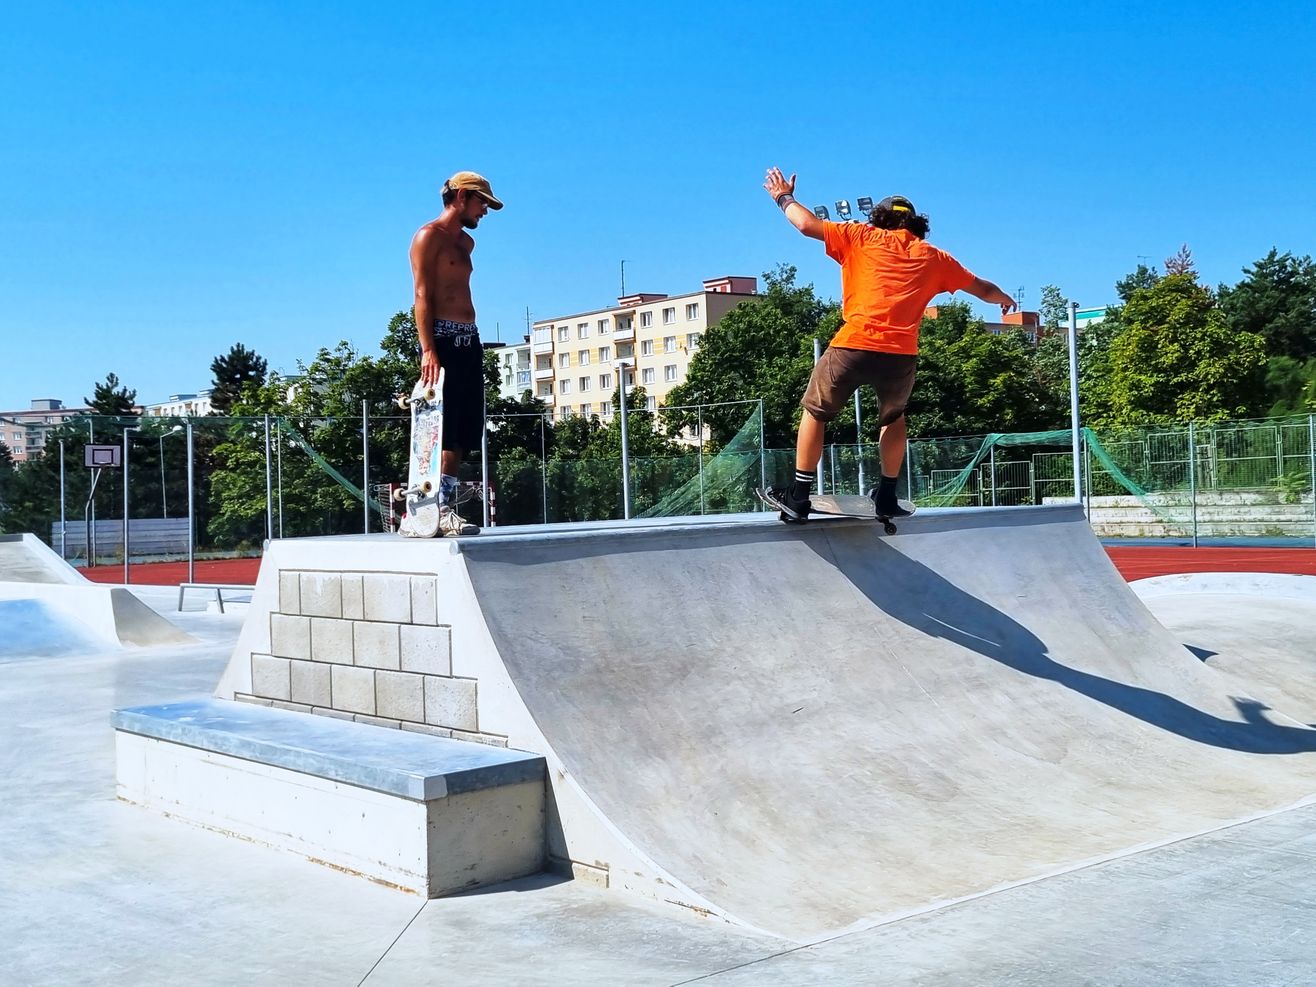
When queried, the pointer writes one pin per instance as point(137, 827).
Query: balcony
point(543, 373)
point(543, 341)
point(624, 333)
point(523, 378)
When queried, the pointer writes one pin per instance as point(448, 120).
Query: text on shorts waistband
point(446, 327)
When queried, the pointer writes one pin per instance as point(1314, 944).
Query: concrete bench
point(219, 588)
point(426, 814)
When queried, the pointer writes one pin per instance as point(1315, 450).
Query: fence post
point(858, 441)
point(1311, 459)
point(699, 414)
point(278, 457)
point(269, 485)
point(484, 467)
point(991, 453)
point(909, 473)
point(63, 521)
point(625, 452)
point(1087, 476)
point(543, 468)
point(191, 508)
point(365, 470)
point(817, 355)
point(1073, 397)
point(763, 452)
point(1192, 477)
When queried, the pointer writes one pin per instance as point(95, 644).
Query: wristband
point(784, 195)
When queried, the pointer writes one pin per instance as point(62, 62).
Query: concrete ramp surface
point(26, 558)
point(815, 728)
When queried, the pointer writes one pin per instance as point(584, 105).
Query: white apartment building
point(514, 376)
point(182, 406)
point(575, 356)
point(24, 432)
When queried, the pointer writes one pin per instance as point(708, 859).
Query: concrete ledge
point(425, 814)
point(410, 765)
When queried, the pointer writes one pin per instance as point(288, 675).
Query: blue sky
point(176, 178)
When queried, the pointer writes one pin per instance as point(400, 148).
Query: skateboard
point(425, 466)
point(845, 505)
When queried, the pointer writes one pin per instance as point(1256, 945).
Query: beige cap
point(472, 182)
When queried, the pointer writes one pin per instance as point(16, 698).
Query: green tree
point(1142, 277)
point(1176, 359)
point(1277, 300)
point(112, 400)
point(1290, 386)
point(1054, 309)
point(971, 381)
point(6, 484)
point(231, 373)
point(758, 349)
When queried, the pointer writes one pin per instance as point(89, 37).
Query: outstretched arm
point(782, 190)
point(988, 292)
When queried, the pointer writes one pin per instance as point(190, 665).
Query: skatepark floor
point(95, 891)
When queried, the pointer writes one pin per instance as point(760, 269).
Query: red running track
point(1133, 562)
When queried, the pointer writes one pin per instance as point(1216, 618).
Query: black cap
point(896, 203)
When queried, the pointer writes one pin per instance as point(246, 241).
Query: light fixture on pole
point(843, 210)
point(864, 204)
point(821, 212)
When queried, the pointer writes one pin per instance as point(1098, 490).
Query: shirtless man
point(445, 323)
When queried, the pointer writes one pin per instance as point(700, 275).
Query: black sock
point(886, 490)
point(803, 485)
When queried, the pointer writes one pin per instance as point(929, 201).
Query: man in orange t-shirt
point(888, 276)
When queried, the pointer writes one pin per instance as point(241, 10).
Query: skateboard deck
point(424, 464)
point(844, 505)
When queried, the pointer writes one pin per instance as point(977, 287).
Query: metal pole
point(191, 510)
point(1192, 478)
point(763, 452)
point(125, 506)
point(269, 486)
point(63, 520)
point(858, 441)
point(164, 503)
point(700, 416)
point(818, 470)
point(992, 466)
point(278, 457)
point(1087, 476)
point(625, 453)
point(909, 473)
point(1073, 397)
point(543, 467)
point(484, 470)
point(89, 515)
point(1311, 458)
point(365, 466)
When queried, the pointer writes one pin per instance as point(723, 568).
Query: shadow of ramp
point(816, 728)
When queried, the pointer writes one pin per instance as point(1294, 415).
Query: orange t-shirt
point(887, 279)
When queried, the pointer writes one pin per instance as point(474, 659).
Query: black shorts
point(840, 372)
point(462, 358)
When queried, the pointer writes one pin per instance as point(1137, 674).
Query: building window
point(605, 408)
point(605, 382)
point(648, 375)
point(623, 324)
point(563, 334)
point(582, 330)
point(652, 404)
point(564, 359)
point(630, 378)
point(584, 383)
point(646, 320)
point(605, 354)
point(669, 316)
point(582, 358)
point(603, 327)
point(585, 410)
point(692, 311)
point(646, 347)
point(564, 387)
point(564, 411)
point(625, 351)
point(669, 344)
point(669, 372)
point(692, 340)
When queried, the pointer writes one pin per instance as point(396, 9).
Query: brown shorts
point(840, 372)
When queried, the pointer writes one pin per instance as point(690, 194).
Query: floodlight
point(821, 212)
point(865, 204)
point(843, 209)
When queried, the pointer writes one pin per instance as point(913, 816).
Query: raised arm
point(782, 190)
point(988, 292)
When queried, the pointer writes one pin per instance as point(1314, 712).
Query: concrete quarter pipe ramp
point(810, 729)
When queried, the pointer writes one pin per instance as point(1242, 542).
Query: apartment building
point(514, 361)
point(24, 432)
point(575, 357)
point(182, 406)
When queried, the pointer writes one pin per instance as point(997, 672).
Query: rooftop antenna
point(623, 279)
point(1019, 298)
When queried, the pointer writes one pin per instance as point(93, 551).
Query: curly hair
point(900, 219)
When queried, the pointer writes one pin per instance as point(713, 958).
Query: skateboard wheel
point(889, 528)
point(429, 394)
point(404, 402)
point(400, 495)
point(427, 487)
